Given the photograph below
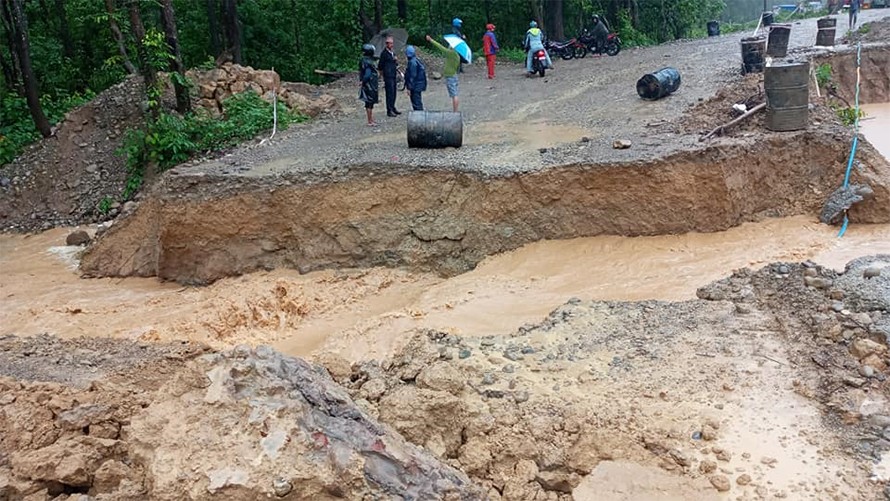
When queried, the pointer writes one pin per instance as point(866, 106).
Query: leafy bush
point(823, 74)
point(171, 139)
point(512, 54)
point(848, 115)
point(630, 37)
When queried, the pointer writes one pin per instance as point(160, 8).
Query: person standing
point(854, 13)
point(368, 82)
point(534, 41)
point(415, 78)
point(457, 29)
point(490, 48)
point(387, 67)
point(449, 72)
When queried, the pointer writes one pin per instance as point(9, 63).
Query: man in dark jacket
point(415, 78)
point(387, 67)
point(600, 32)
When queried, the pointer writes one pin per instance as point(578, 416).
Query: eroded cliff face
point(196, 228)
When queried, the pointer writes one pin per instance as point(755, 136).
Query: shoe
point(391, 115)
point(397, 112)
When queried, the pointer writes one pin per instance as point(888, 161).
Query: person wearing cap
point(457, 29)
point(534, 41)
point(369, 82)
point(490, 48)
point(415, 78)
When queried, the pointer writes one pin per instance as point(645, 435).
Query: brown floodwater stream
point(358, 313)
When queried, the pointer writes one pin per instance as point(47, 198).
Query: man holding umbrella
point(387, 67)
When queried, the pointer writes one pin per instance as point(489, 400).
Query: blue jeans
point(417, 101)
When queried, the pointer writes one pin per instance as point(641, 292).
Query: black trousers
point(389, 84)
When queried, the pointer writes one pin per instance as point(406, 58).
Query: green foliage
point(630, 37)
point(171, 139)
point(848, 115)
point(823, 74)
point(865, 28)
point(512, 54)
point(105, 205)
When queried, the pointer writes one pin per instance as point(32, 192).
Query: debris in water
point(842, 199)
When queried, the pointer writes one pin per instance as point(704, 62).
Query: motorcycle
point(539, 62)
point(612, 46)
point(566, 50)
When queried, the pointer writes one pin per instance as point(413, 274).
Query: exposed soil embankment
point(874, 73)
point(197, 228)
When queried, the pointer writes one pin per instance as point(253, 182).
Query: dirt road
point(510, 119)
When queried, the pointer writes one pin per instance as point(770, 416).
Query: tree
point(213, 21)
point(555, 16)
point(168, 19)
point(148, 71)
point(64, 30)
point(11, 69)
point(118, 38)
point(233, 31)
point(23, 49)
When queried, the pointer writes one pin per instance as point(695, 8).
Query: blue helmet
point(456, 22)
point(368, 49)
point(533, 24)
point(410, 51)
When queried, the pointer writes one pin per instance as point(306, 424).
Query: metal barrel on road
point(825, 35)
point(787, 96)
point(777, 45)
point(753, 49)
point(713, 28)
point(435, 129)
point(767, 19)
point(658, 84)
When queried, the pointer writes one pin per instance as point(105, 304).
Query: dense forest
point(54, 54)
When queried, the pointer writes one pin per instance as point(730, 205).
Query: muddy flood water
point(358, 313)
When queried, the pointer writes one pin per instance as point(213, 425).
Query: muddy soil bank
point(196, 228)
point(722, 393)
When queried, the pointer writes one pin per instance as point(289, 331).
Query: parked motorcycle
point(566, 50)
point(612, 46)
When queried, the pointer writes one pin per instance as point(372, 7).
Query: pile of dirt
point(62, 180)
point(875, 31)
point(245, 424)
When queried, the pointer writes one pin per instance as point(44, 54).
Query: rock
point(855, 382)
point(708, 433)
point(559, 481)
point(707, 466)
point(621, 144)
point(784, 269)
point(78, 237)
point(520, 396)
point(864, 347)
point(871, 272)
point(488, 378)
point(863, 319)
point(464, 353)
point(373, 389)
point(82, 416)
point(879, 420)
point(281, 487)
point(130, 206)
point(109, 476)
point(867, 371)
point(723, 455)
point(742, 308)
point(720, 482)
point(680, 457)
point(743, 479)
point(436, 75)
point(837, 295)
point(441, 376)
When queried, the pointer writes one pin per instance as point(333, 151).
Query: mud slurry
point(771, 385)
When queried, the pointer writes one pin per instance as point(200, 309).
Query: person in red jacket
point(490, 48)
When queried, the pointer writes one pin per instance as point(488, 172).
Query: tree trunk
point(213, 19)
point(119, 38)
point(148, 72)
point(557, 26)
point(368, 29)
point(295, 9)
point(64, 30)
point(378, 15)
point(233, 34)
point(402, 9)
point(536, 11)
point(14, 66)
point(20, 27)
point(168, 19)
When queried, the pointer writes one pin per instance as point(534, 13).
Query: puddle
point(876, 126)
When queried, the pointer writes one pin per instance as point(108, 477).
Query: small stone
point(707, 466)
point(784, 269)
point(520, 396)
point(768, 461)
point(680, 458)
point(879, 420)
point(527, 350)
point(723, 455)
point(5, 181)
point(867, 371)
point(493, 393)
point(281, 487)
point(720, 482)
point(92, 168)
point(464, 353)
point(836, 294)
point(621, 144)
point(542, 150)
point(837, 306)
point(871, 272)
point(708, 433)
point(488, 378)
point(855, 382)
point(78, 237)
point(585, 139)
point(513, 356)
point(864, 347)
point(487, 342)
point(810, 272)
point(744, 479)
point(742, 309)
point(509, 368)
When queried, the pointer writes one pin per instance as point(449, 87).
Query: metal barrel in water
point(435, 129)
point(777, 45)
point(753, 49)
point(787, 96)
point(825, 35)
point(713, 28)
point(658, 84)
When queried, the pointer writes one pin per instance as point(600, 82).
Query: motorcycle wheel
point(567, 54)
point(542, 71)
point(580, 52)
point(613, 49)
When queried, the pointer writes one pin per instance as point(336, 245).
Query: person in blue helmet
point(534, 41)
point(415, 78)
point(457, 29)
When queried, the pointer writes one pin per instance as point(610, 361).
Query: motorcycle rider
point(599, 31)
point(534, 41)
